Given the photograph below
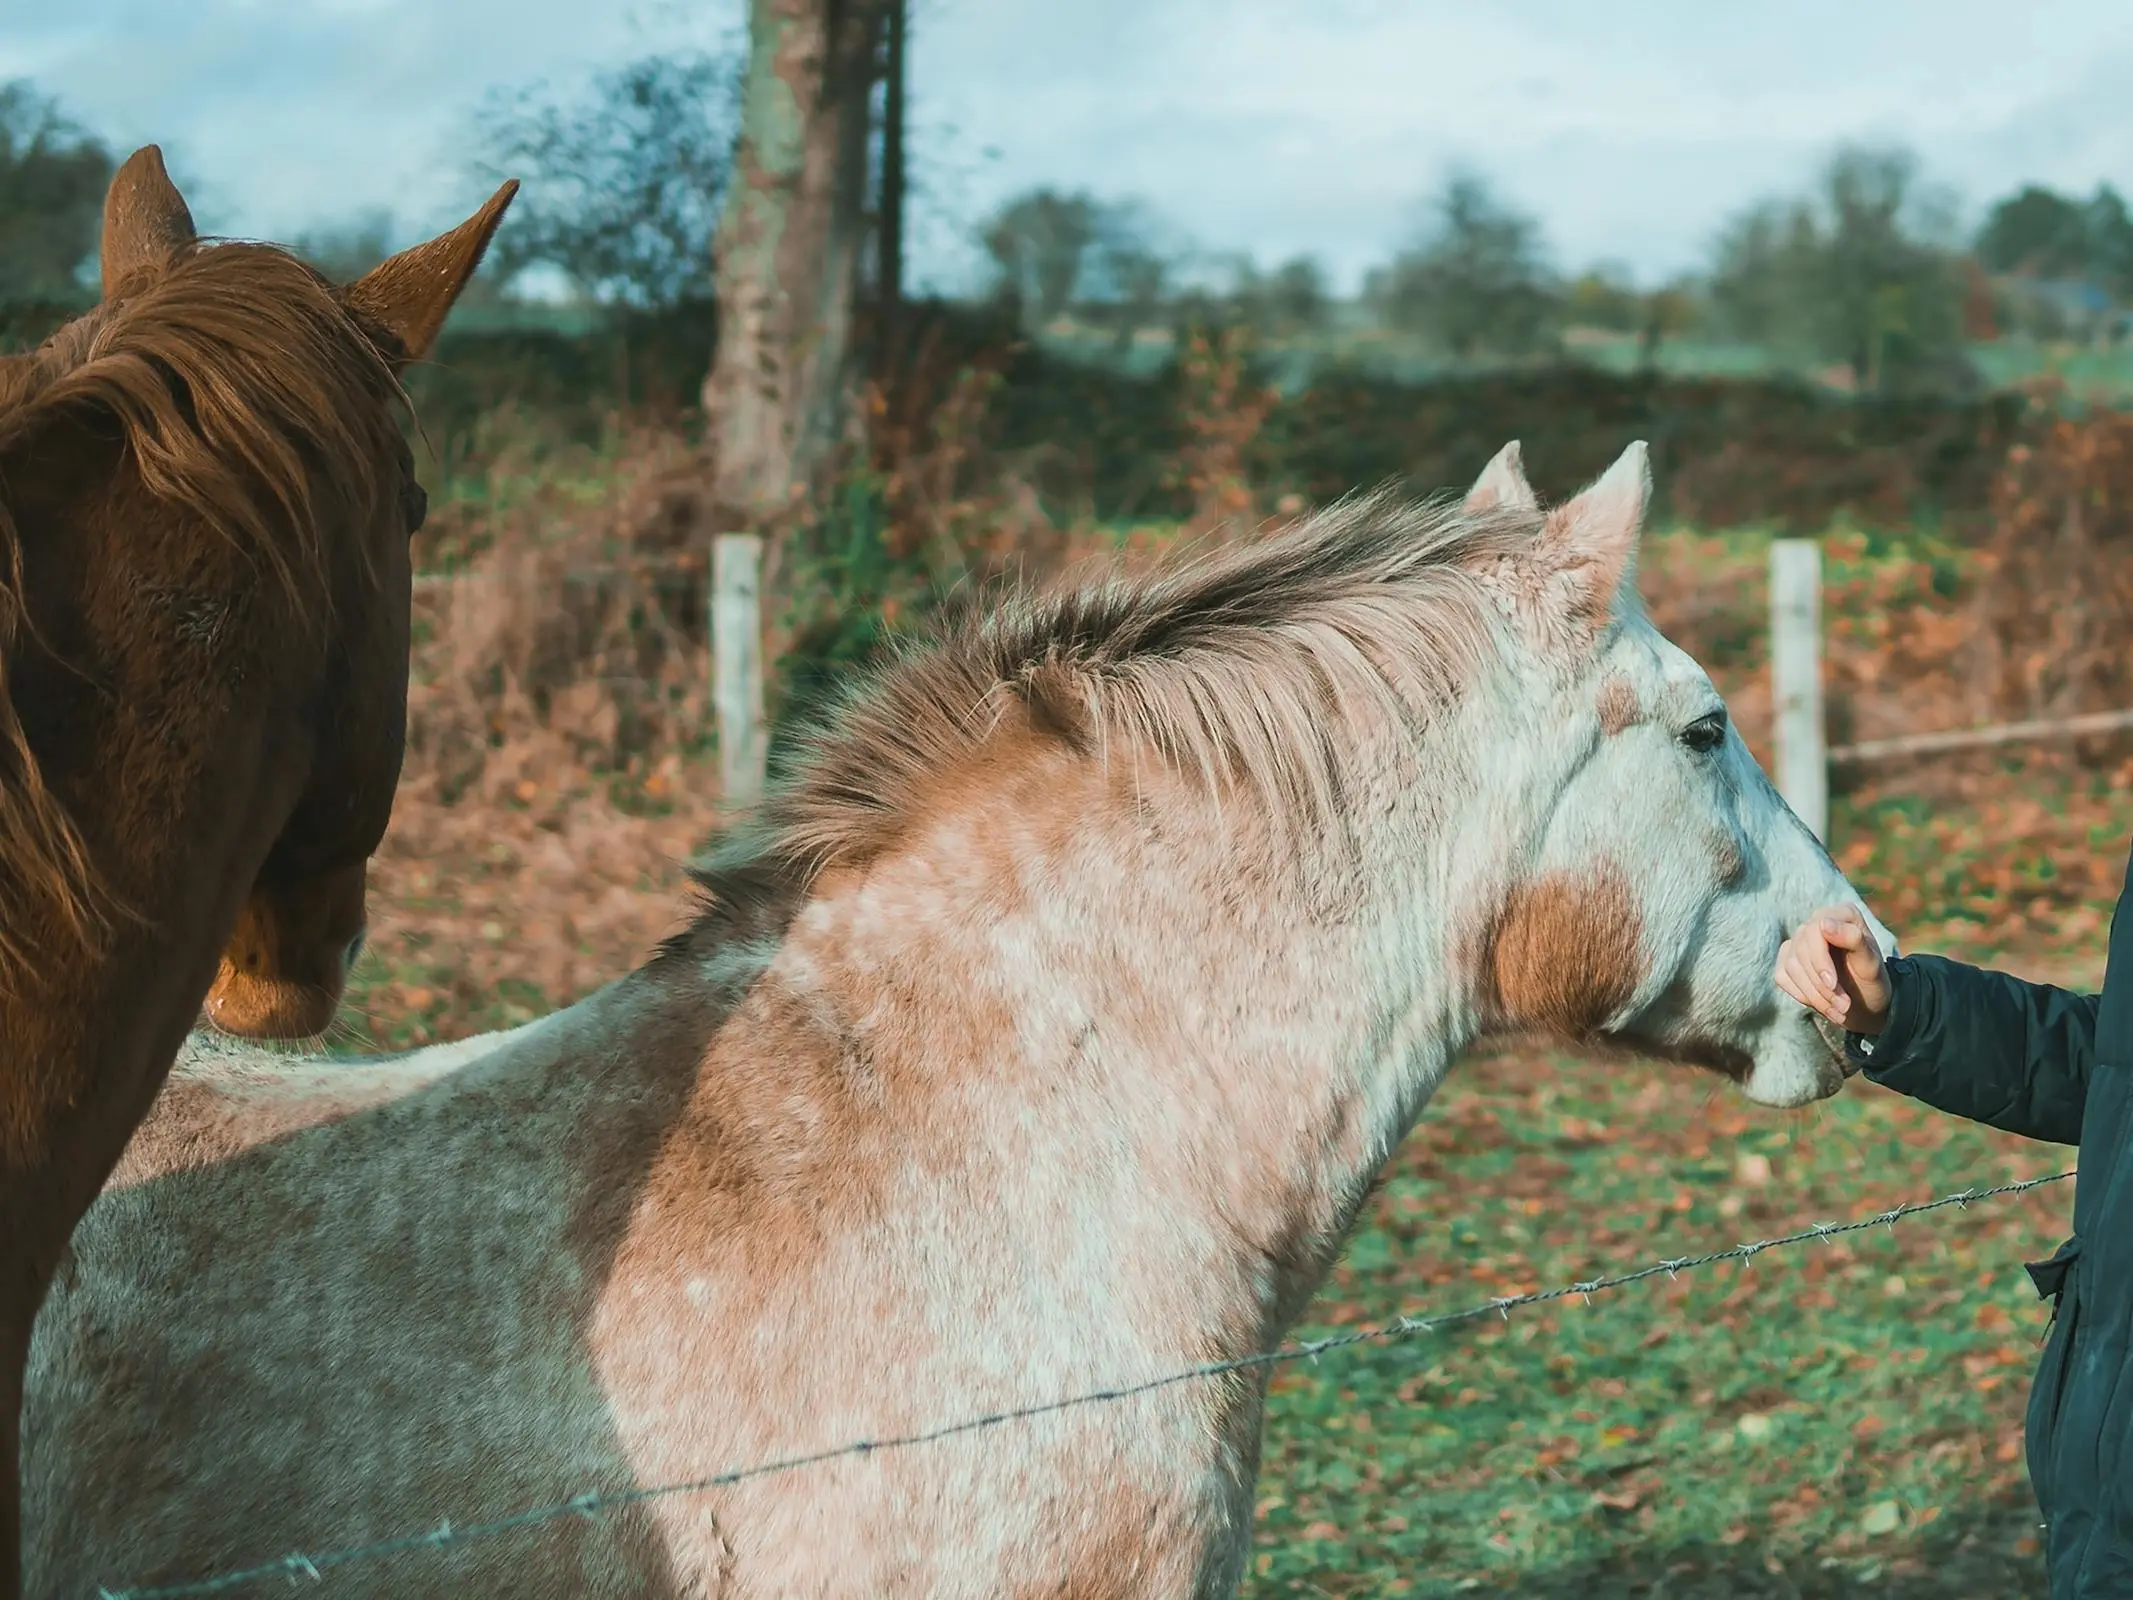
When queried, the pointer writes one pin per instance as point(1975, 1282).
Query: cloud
point(285, 117)
point(1633, 131)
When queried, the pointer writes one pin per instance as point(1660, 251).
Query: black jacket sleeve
point(1986, 1046)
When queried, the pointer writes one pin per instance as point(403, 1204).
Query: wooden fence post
point(1796, 679)
point(737, 665)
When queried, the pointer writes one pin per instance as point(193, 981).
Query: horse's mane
point(243, 394)
point(243, 389)
point(1242, 667)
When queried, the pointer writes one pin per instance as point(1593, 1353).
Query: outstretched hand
point(1832, 965)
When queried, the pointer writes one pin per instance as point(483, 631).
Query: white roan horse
point(1044, 1035)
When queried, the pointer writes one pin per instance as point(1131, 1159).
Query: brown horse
point(205, 503)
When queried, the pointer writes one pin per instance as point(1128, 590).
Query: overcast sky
point(1276, 126)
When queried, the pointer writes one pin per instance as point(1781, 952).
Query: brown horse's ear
point(145, 219)
point(411, 293)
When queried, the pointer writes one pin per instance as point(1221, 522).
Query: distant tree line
point(1863, 270)
point(1866, 271)
point(53, 174)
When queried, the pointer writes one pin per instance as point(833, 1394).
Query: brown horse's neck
point(174, 813)
point(204, 634)
point(174, 834)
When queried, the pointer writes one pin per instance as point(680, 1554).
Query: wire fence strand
point(316, 1564)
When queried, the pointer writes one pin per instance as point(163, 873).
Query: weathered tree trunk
point(778, 399)
point(890, 275)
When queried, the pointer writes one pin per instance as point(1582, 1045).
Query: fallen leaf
point(1882, 1517)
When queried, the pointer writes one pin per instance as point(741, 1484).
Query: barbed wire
point(592, 1503)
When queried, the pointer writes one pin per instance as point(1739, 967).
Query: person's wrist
point(1868, 1024)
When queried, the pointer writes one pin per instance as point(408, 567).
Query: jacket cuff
point(1882, 1051)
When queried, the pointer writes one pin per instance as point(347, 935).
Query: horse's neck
point(103, 1025)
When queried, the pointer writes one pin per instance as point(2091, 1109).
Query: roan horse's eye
point(1705, 733)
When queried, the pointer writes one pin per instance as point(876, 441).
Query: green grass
point(2100, 373)
point(1828, 1419)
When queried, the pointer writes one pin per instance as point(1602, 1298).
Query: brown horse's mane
point(1240, 666)
point(248, 399)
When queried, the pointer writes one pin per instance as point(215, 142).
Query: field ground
point(1831, 1419)
point(1834, 1419)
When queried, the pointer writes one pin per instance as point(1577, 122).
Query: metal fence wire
point(315, 1564)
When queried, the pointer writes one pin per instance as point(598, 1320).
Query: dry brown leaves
point(2056, 602)
point(560, 684)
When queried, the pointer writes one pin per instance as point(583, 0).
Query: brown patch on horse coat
point(1618, 706)
point(1727, 861)
point(807, 1136)
point(1563, 955)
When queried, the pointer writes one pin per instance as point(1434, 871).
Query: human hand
point(1833, 966)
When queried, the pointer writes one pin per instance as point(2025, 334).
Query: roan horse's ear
point(410, 294)
point(1502, 485)
point(146, 220)
point(1591, 541)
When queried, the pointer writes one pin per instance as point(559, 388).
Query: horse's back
point(322, 1304)
point(224, 1097)
point(466, 1298)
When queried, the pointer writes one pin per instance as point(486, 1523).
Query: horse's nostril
point(355, 948)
